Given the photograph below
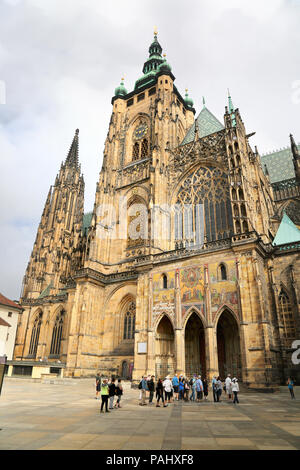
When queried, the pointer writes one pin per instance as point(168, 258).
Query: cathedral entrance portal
point(164, 349)
point(195, 360)
point(228, 340)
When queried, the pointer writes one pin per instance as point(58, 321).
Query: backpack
point(191, 382)
point(140, 385)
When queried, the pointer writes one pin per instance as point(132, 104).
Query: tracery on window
point(57, 334)
point(35, 335)
point(203, 207)
point(129, 321)
point(286, 318)
point(136, 151)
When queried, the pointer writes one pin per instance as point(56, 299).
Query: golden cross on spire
point(155, 31)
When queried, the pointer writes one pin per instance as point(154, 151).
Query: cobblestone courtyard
point(66, 416)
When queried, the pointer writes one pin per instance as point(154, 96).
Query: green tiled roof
point(86, 221)
point(287, 232)
point(207, 124)
point(46, 291)
point(280, 164)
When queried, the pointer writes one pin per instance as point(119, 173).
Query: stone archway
point(125, 370)
point(194, 340)
point(164, 348)
point(228, 341)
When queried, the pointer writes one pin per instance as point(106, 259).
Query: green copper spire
point(231, 109)
point(152, 65)
point(188, 100)
point(121, 90)
point(155, 58)
point(164, 67)
point(203, 101)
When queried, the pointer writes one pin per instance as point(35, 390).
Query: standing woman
point(290, 384)
point(235, 389)
point(119, 393)
point(98, 384)
point(219, 389)
point(205, 388)
point(160, 393)
point(104, 396)
point(228, 386)
point(186, 390)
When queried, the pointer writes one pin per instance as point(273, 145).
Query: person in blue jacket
point(181, 388)
point(175, 383)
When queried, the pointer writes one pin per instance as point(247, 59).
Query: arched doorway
point(164, 349)
point(228, 341)
point(125, 370)
point(195, 360)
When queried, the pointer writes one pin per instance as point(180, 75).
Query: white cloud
point(61, 61)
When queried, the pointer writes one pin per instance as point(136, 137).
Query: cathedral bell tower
point(145, 125)
point(54, 254)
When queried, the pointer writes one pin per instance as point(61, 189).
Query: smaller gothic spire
point(231, 109)
point(296, 157)
point(188, 100)
point(294, 148)
point(203, 102)
point(230, 103)
point(72, 158)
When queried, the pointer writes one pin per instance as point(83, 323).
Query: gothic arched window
point(203, 207)
point(145, 149)
point(129, 322)
point(136, 151)
point(222, 272)
point(286, 318)
point(164, 281)
point(35, 335)
point(57, 334)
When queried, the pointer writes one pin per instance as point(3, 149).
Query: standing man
point(112, 392)
point(175, 383)
point(199, 388)
point(214, 388)
point(98, 384)
point(144, 390)
point(151, 389)
point(193, 388)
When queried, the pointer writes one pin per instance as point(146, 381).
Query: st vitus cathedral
point(213, 288)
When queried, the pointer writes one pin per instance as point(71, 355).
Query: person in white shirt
point(235, 389)
point(228, 386)
point(168, 387)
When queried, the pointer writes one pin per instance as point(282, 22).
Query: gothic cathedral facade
point(188, 262)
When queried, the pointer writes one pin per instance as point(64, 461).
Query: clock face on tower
point(140, 131)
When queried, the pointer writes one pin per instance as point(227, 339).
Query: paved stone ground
point(66, 416)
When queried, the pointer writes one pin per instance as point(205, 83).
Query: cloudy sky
point(60, 61)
